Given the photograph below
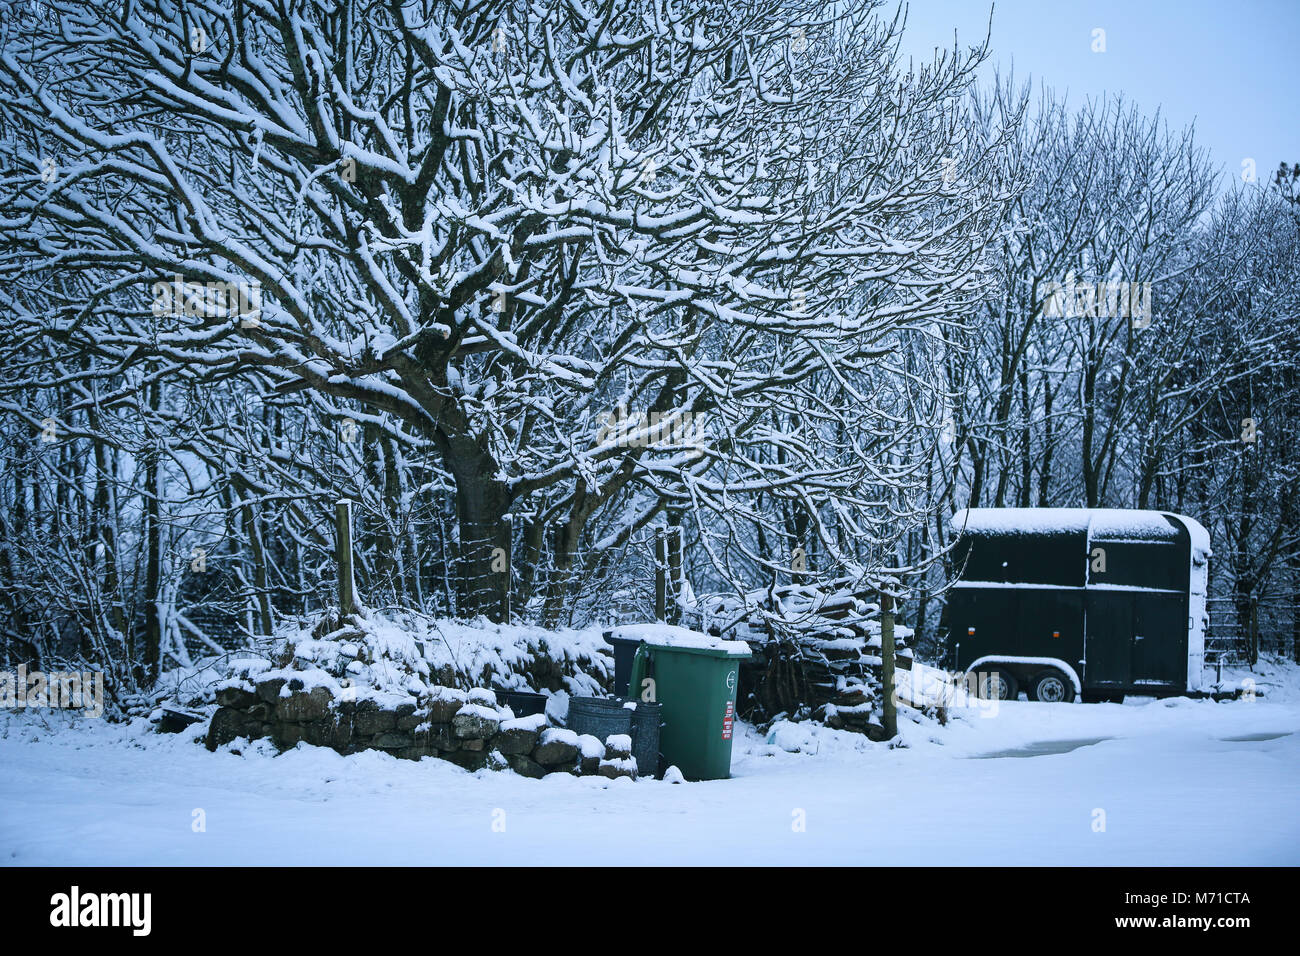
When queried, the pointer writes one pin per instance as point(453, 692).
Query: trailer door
point(1108, 644)
point(1160, 640)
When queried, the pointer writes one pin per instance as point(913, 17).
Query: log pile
point(816, 654)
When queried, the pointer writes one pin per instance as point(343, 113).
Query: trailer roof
point(1093, 522)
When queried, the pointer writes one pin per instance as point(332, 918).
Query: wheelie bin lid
point(682, 639)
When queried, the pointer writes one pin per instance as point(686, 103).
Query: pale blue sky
point(1232, 67)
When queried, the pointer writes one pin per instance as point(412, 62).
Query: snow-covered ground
point(1179, 782)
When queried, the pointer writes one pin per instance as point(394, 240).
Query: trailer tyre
point(996, 683)
point(1051, 687)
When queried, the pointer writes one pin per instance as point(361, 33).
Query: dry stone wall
point(467, 728)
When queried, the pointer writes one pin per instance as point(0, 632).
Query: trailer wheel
point(1051, 687)
point(997, 684)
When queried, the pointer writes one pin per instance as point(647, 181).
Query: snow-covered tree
point(491, 233)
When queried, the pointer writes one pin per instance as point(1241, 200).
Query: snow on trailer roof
point(670, 635)
point(1094, 522)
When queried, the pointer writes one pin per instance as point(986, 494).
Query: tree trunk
point(977, 459)
point(106, 519)
point(1045, 473)
point(1026, 442)
point(261, 579)
point(534, 537)
point(675, 584)
point(1089, 464)
point(481, 503)
point(1295, 617)
point(151, 653)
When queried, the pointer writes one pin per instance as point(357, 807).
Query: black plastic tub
point(523, 703)
point(624, 651)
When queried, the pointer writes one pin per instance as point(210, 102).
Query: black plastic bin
point(624, 651)
point(523, 703)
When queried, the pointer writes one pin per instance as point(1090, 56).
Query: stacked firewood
point(816, 654)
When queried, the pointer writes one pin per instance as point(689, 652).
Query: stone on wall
point(304, 705)
point(618, 767)
point(370, 720)
point(229, 724)
point(514, 739)
point(482, 697)
point(239, 698)
point(443, 704)
point(593, 752)
point(475, 721)
point(618, 745)
point(556, 748)
point(526, 766)
point(269, 690)
point(438, 736)
point(470, 760)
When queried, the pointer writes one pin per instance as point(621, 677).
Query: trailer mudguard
point(1056, 662)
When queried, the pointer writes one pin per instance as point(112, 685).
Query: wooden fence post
point(343, 556)
point(1253, 650)
point(661, 575)
point(508, 546)
point(675, 589)
point(889, 706)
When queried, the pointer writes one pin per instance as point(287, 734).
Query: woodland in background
point(492, 238)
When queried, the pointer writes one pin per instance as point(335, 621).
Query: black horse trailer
point(1078, 602)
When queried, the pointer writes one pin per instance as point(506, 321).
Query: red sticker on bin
point(727, 722)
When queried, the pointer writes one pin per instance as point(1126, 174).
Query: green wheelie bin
point(693, 678)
